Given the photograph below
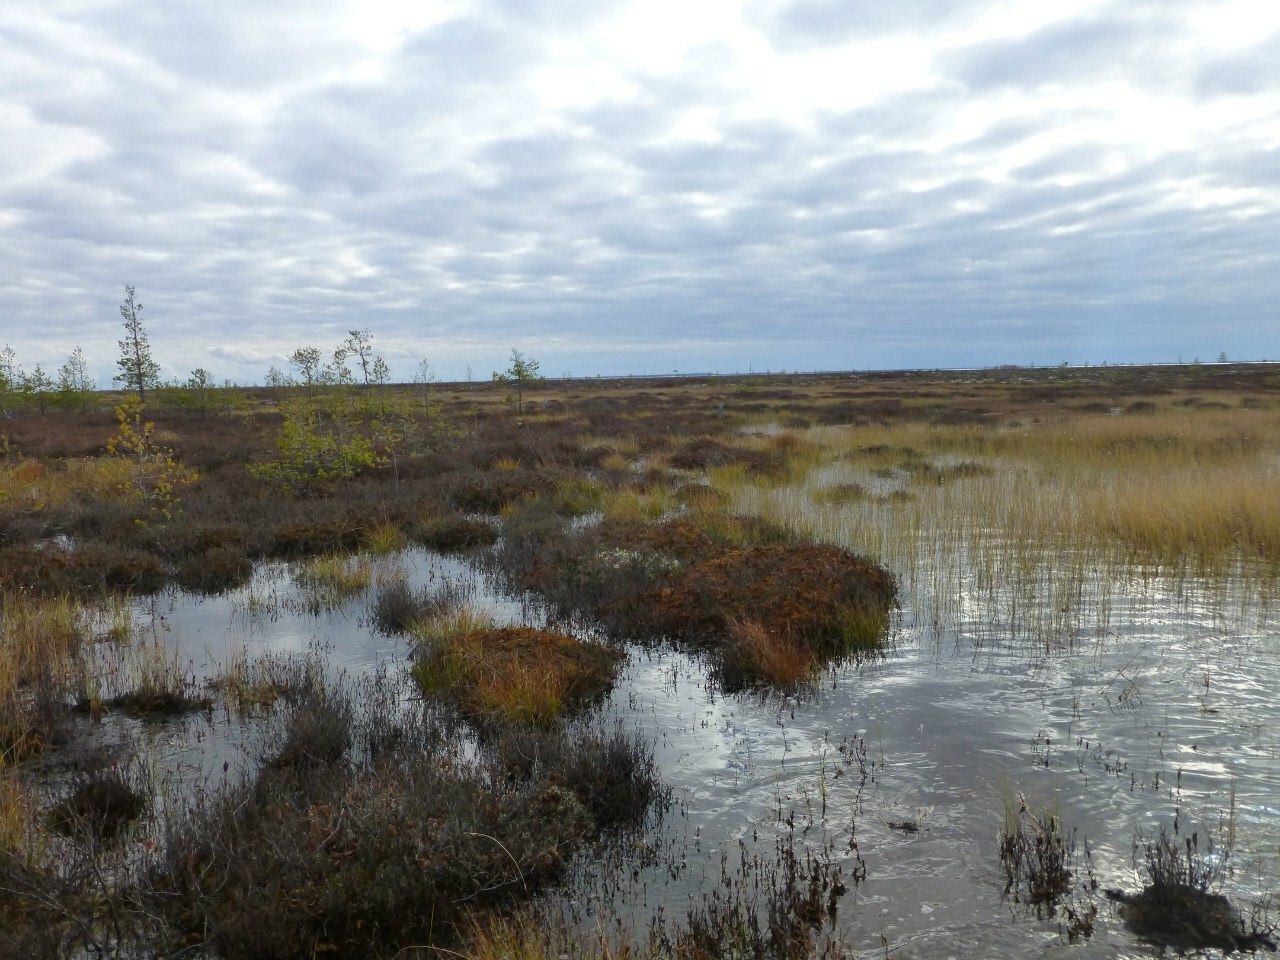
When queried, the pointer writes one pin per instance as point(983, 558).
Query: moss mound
point(517, 674)
point(831, 600)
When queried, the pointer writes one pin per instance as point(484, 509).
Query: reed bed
point(1041, 525)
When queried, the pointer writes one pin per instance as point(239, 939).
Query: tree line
point(73, 386)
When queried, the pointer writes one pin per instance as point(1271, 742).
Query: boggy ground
point(616, 503)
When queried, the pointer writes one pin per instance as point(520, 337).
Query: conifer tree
point(137, 370)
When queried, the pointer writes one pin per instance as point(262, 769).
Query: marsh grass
point(41, 643)
point(384, 538)
point(251, 686)
point(443, 626)
point(330, 580)
point(145, 679)
point(400, 608)
point(780, 660)
point(1043, 522)
point(17, 808)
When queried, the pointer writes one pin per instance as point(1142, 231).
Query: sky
point(645, 187)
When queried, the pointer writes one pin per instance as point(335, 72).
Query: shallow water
point(1166, 710)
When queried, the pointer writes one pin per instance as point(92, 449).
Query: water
point(1161, 708)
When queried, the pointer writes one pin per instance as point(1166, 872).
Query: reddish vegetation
point(681, 539)
point(797, 592)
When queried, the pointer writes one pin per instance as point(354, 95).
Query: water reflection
point(1159, 705)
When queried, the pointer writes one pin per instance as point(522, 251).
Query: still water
point(1167, 712)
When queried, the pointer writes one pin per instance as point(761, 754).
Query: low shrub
point(307, 537)
point(216, 570)
point(335, 849)
point(91, 568)
point(612, 772)
point(1180, 906)
point(824, 597)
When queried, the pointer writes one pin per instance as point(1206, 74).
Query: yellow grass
point(652, 503)
point(446, 626)
point(336, 575)
point(40, 644)
point(385, 538)
point(34, 485)
point(1051, 516)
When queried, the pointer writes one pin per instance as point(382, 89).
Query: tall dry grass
point(1040, 522)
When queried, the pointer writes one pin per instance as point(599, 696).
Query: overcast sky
point(667, 185)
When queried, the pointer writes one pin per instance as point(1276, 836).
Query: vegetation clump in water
point(1180, 906)
point(516, 673)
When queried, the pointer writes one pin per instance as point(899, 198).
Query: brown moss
point(827, 598)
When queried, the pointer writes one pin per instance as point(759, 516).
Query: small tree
point(199, 391)
point(75, 385)
point(11, 380)
point(522, 371)
point(38, 384)
point(314, 453)
point(307, 360)
point(155, 475)
point(359, 344)
point(137, 370)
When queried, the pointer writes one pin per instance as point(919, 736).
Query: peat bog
point(786, 666)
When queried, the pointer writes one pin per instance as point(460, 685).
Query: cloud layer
point(642, 188)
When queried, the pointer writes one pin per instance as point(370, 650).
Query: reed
point(17, 809)
point(1039, 522)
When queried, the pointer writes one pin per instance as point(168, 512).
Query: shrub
point(332, 851)
point(825, 597)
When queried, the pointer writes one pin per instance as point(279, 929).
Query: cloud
point(804, 24)
point(1253, 70)
point(1074, 51)
point(699, 195)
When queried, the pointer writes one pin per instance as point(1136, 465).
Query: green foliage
point(523, 371)
point(138, 371)
point(156, 474)
point(75, 386)
point(359, 344)
point(37, 385)
point(307, 360)
point(315, 452)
